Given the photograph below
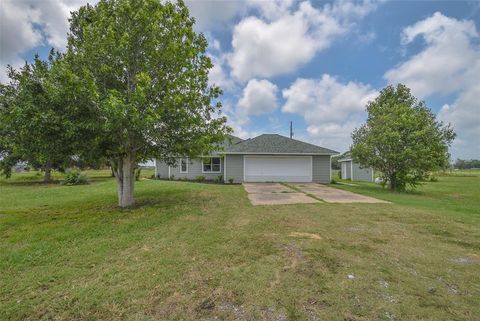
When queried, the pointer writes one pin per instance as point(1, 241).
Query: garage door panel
point(278, 169)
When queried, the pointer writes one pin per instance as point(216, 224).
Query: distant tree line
point(466, 163)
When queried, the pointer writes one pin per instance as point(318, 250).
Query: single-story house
point(353, 171)
point(265, 158)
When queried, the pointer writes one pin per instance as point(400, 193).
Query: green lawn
point(191, 251)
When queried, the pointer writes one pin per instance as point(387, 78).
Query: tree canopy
point(150, 72)
point(41, 113)
point(401, 138)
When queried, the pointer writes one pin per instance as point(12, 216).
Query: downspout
point(351, 170)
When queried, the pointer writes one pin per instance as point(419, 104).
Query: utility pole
point(291, 129)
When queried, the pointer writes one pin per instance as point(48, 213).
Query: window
point(183, 165)
point(211, 165)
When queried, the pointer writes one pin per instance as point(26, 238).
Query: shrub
point(74, 177)
point(333, 181)
point(230, 180)
point(339, 174)
point(200, 178)
point(219, 179)
point(172, 177)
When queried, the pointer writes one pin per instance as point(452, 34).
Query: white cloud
point(218, 75)
point(214, 13)
point(348, 10)
point(330, 108)
point(464, 115)
point(17, 33)
point(333, 135)
point(272, 9)
point(449, 63)
point(26, 24)
point(441, 67)
point(259, 97)
point(239, 122)
point(326, 99)
point(287, 38)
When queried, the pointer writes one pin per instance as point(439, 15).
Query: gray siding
point(161, 169)
point(349, 170)
point(345, 170)
point(361, 174)
point(234, 168)
point(321, 169)
point(194, 170)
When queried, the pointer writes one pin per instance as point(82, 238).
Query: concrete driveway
point(278, 194)
point(333, 195)
point(275, 194)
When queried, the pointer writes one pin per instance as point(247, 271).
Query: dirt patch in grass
point(456, 195)
point(465, 260)
point(306, 235)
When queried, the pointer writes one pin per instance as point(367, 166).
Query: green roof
point(276, 144)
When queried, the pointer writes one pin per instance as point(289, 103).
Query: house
point(265, 158)
point(353, 171)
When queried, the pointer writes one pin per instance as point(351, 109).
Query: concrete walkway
point(333, 195)
point(275, 194)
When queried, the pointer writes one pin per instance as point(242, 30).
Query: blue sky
point(314, 63)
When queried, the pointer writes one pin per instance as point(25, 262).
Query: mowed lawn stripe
point(190, 251)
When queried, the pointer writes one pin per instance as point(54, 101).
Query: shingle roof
point(276, 144)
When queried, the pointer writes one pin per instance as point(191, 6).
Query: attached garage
point(275, 158)
point(277, 168)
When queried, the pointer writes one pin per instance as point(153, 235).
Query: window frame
point(186, 163)
point(211, 165)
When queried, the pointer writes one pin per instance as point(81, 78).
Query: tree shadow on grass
point(6, 182)
point(55, 182)
point(167, 200)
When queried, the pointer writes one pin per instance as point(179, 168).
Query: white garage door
point(278, 168)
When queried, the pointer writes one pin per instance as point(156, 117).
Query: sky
point(316, 63)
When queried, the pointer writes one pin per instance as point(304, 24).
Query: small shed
point(354, 172)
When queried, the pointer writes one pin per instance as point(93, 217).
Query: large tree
point(41, 112)
point(151, 74)
point(401, 138)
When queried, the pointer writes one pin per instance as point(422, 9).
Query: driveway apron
point(333, 195)
point(275, 194)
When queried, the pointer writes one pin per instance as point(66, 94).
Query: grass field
point(191, 251)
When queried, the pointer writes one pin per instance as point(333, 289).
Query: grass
point(190, 251)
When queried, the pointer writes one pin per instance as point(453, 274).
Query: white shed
point(354, 172)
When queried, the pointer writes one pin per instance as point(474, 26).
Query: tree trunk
point(125, 180)
point(393, 182)
point(47, 177)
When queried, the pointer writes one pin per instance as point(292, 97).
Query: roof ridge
point(277, 143)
